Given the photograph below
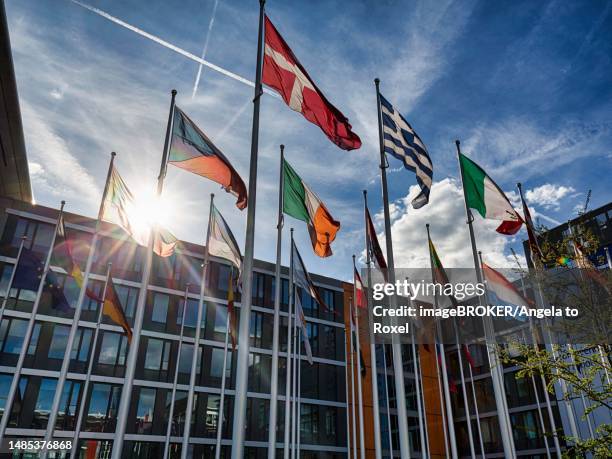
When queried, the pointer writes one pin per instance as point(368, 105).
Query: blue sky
point(526, 86)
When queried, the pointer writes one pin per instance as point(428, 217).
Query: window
point(103, 406)
point(44, 402)
point(128, 297)
point(157, 355)
point(80, 347)
point(216, 363)
point(113, 349)
point(191, 316)
point(160, 307)
point(186, 358)
point(13, 339)
point(145, 410)
point(59, 340)
point(68, 407)
point(256, 328)
point(223, 279)
point(34, 339)
point(220, 319)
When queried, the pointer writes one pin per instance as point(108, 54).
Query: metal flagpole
point(77, 315)
point(196, 344)
point(26, 339)
point(442, 408)
point(466, 405)
point(12, 278)
point(373, 365)
point(288, 365)
point(353, 415)
point(79, 421)
point(176, 372)
point(276, 328)
point(346, 375)
point(445, 377)
point(299, 393)
point(242, 360)
point(549, 410)
point(398, 367)
point(426, 450)
point(130, 367)
point(418, 393)
point(294, 383)
point(359, 389)
point(223, 378)
point(480, 440)
point(497, 378)
point(390, 434)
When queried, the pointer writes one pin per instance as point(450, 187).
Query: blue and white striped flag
point(401, 141)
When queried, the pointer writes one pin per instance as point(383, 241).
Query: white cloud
point(446, 215)
point(548, 195)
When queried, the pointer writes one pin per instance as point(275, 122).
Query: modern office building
point(323, 404)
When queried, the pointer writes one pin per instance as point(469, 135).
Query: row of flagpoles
point(188, 148)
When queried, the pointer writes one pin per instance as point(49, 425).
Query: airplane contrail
point(170, 46)
point(205, 49)
point(231, 122)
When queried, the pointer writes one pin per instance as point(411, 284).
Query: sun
point(148, 210)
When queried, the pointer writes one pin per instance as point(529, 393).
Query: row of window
point(150, 409)
point(173, 272)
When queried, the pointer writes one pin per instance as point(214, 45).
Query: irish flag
point(503, 288)
point(300, 202)
point(483, 195)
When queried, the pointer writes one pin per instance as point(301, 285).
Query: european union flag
point(28, 275)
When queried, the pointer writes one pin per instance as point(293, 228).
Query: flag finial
point(377, 81)
point(173, 92)
point(457, 143)
point(113, 154)
point(282, 147)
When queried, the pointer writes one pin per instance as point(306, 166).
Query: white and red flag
point(284, 73)
point(360, 298)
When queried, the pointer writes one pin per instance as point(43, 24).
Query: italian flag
point(503, 288)
point(300, 202)
point(483, 195)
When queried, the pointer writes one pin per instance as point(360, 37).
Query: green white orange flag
point(300, 202)
point(120, 208)
point(483, 195)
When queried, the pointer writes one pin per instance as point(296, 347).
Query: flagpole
point(551, 417)
point(346, 387)
point(26, 339)
point(359, 389)
point(196, 344)
point(12, 278)
point(426, 450)
point(294, 382)
point(130, 367)
point(242, 361)
point(496, 377)
point(418, 391)
point(288, 365)
point(353, 415)
point(480, 440)
point(299, 393)
point(398, 368)
point(389, 433)
point(276, 328)
point(464, 392)
point(77, 316)
point(442, 406)
point(176, 372)
point(373, 365)
point(223, 378)
point(79, 421)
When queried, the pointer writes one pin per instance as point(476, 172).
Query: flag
point(221, 242)
point(113, 310)
point(360, 300)
point(119, 208)
point(534, 246)
point(284, 73)
point(193, 151)
point(355, 336)
point(402, 142)
point(302, 278)
point(439, 274)
point(28, 274)
point(468, 356)
point(300, 202)
point(302, 324)
point(373, 246)
point(503, 288)
point(483, 194)
point(62, 257)
point(231, 310)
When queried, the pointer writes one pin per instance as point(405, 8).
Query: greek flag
point(401, 141)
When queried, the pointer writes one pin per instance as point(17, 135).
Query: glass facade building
point(323, 404)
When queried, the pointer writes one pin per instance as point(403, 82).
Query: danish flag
point(284, 73)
